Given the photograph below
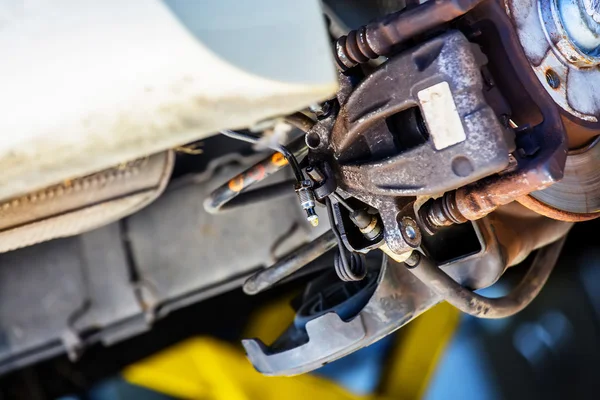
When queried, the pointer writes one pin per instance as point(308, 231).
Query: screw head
point(410, 231)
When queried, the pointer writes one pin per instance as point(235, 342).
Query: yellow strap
point(419, 347)
point(205, 368)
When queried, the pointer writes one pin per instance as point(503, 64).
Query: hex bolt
point(410, 232)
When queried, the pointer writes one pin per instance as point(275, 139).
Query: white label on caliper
point(441, 117)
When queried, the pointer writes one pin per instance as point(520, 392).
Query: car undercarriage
point(444, 142)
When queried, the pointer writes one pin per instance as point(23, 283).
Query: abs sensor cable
point(222, 199)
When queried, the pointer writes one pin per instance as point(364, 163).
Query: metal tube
point(289, 156)
point(290, 263)
point(478, 199)
point(267, 193)
point(220, 197)
point(483, 307)
point(300, 121)
point(548, 211)
point(379, 37)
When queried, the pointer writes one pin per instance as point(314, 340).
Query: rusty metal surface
point(369, 157)
point(477, 200)
point(521, 231)
point(549, 39)
point(379, 37)
point(539, 160)
point(548, 211)
point(531, 104)
point(483, 307)
point(578, 193)
point(542, 152)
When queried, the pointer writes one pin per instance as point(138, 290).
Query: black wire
point(342, 201)
point(353, 269)
point(218, 201)
point(342, 248)
point(289, 156)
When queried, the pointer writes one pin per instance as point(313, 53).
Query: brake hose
point(483, 307)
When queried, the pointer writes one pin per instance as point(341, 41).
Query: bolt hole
point(553, 79)
point(313, 140)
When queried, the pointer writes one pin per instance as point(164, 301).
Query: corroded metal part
point(560, 39)
point(368, 148)
point(577, 196)
point(379, 37)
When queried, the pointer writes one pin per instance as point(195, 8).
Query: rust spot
point(257, 173)
point(543, 209)
point(236, 184)
point(278, 159)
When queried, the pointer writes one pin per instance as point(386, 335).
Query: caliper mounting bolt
point(410, 232)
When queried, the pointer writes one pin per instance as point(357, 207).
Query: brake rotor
point(579, 190)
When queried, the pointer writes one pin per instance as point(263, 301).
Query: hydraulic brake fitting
point(369, 224)
point(306, 196)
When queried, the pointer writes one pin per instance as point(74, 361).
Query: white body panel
point(85, 84)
